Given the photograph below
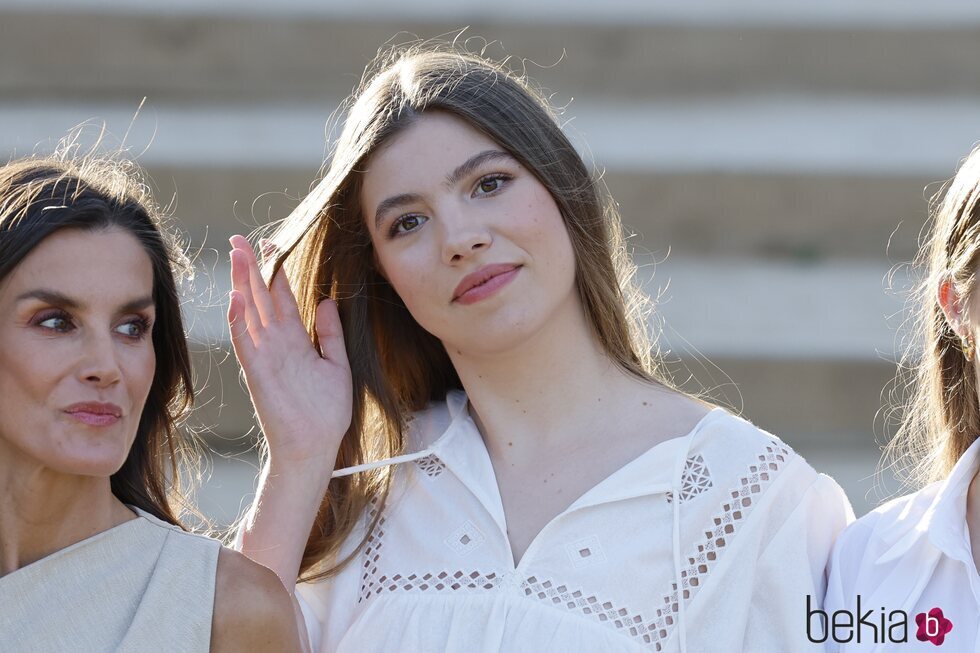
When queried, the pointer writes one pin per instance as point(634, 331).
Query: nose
point(464, 235)
point(99, 364)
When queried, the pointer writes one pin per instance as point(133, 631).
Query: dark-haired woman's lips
point(93, 413)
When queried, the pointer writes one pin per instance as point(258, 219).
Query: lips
point(94, 413)
point(482, 276)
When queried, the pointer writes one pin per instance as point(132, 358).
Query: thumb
point(329, 332)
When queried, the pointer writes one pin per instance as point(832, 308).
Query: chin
point(83, 457)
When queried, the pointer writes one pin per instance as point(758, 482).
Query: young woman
point(94, 374)
point(921, 552)
point(478, 451)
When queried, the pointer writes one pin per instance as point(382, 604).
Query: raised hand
point(303, 400)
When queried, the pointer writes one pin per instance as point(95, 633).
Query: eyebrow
point(58, 299)
point(453, 178)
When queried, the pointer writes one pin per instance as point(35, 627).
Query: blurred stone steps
point(215, 50)
point(841, 175)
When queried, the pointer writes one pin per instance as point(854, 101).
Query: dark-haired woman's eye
point(60, 322)
point(406, 224)
point(136, 328)
point(491, 183)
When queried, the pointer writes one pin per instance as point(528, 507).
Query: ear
point(953, 307)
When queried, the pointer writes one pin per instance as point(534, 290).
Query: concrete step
point(770, 177)
point(218, 50)
point(785, 135)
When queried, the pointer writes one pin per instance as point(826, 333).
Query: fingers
point(283, 299)
point(241, 341)
point(330, 333)
point(243, 314)
point(260, 297)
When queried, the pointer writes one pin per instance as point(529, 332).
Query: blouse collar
point(943, 523)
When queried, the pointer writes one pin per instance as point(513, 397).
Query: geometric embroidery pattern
point(466, 538)
point(577, 601)
point(723, 526)
point(695, 479)
point(372, 554)
point(585, 552)
point(374, 583)
point(431, 465)
point(652, 632)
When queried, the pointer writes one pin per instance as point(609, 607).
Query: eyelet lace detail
point(372, 554)
point(373, 584)
point(652, 632)
point(724, 525)
point(695, 479)
point(431, 465)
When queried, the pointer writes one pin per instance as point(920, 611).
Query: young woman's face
point(469, 239)
point(76, 354)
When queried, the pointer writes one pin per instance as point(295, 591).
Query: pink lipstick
point(94, 413)
point(483, 283)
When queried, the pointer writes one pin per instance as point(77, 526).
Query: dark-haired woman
point(510, 470)
point(94, 373)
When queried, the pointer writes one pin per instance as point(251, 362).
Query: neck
point(550, 390)
point(43, 511)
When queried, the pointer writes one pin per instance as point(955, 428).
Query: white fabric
point(912, 554)
point(141, 586)
point(729, 512)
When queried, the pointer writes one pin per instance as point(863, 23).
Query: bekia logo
point(875, 626)
point(932, 626)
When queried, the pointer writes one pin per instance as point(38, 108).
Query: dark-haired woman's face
point(76, 353)
point(469, 238)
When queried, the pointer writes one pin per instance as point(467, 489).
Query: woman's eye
point(133, 328)
point(56, 323)
point(407, 223)
point(491, 183)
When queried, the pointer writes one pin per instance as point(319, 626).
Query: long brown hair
point(41, 196)
point(397, 366)
point(941, 417)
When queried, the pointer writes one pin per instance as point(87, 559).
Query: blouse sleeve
point(791, 572)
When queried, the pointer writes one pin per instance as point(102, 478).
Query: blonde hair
point(941, 418)
point(397, 366)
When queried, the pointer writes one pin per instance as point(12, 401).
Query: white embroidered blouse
point(706, 542)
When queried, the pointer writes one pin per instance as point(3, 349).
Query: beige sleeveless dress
point(141, 586)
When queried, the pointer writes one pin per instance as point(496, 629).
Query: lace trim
point(372, 554)
point(431, 465)
point(723, 528)
point(655, 632)
point(373, 584)
point(695, 479)
point(650, 632)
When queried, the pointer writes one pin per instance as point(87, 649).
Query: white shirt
point(912, 554)
point(727, 512)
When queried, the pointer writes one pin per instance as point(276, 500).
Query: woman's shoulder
point(749, 462)
point(880, 529)
point(731, 438)
point(252, 609)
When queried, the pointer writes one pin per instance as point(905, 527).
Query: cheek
point(30, 373)
point(140, 368)
point(412, 275)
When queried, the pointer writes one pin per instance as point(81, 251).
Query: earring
point(969, 348)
